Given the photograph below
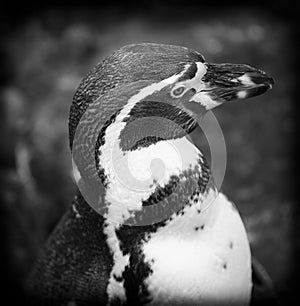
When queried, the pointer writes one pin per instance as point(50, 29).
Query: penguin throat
point(147, 185)
point(150, 122)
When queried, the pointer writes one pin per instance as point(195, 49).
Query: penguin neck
point(155, 180)
point(149, 122)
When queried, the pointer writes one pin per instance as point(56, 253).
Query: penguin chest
point(200, 258)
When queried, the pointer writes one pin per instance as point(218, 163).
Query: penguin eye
point(178, 91)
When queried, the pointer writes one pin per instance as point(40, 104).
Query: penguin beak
point(227, 82)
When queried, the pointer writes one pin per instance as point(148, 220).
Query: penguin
point(147, 225)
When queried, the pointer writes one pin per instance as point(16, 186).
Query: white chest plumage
point(201, 258)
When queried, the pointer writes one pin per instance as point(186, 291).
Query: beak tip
point(261, 83)
point(269, 81)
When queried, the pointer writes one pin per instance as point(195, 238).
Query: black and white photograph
point(149, 153)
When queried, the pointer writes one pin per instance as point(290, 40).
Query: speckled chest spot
point(200, 256)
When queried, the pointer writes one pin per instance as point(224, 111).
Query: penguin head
point(177, 76)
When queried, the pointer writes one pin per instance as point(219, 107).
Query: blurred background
point(47, 49)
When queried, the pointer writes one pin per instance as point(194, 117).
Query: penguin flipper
point(263, 292)
point(74, 266)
